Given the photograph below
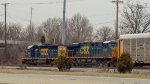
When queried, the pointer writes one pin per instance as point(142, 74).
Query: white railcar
point(138, 45)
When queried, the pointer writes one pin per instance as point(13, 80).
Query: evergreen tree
point(42, 39)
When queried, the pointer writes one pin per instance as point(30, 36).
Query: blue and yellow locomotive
point(43, 54)
point(86, 53)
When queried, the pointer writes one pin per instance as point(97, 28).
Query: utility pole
point(117, 8)
point(5, 30)
point(31, 30)
point(64, 23)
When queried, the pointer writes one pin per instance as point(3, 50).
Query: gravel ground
point(143, 70)
point(62, 79)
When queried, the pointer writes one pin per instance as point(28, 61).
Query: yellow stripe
point(88, 57)
point(36, 58)
point(146, 62)
point(56, 58)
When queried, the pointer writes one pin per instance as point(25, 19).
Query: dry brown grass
point(12, 71)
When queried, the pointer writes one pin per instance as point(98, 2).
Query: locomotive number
point(84, 50)
point(44, 51)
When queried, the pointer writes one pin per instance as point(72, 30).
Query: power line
point(18, 19)
point(23, 19)
point(35, 3)
point(13, 19)
point(103, 23)
point(42, 3)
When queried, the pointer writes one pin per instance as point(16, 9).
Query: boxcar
point(138, 45)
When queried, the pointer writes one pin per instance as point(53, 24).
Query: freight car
point(138, 45)
point(83, 54)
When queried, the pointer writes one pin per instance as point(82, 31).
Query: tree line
point(78, 29)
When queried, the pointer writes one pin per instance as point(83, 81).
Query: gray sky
point(99, 12)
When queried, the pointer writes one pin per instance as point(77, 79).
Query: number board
point(44, 51)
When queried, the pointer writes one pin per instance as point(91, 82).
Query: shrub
point(42, 39)
point(124, 63)
point(63, 63)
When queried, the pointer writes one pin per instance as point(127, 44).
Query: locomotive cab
point(32, 51)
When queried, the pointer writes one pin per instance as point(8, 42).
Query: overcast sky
point(99, 12)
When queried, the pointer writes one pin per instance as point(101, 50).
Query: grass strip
point(13, 71)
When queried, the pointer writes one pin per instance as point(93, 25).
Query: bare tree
point(135, 19)
point(52, 30)
point(13, 31)
point(23, 35)
point(39, 33)
point(30, 33)
point(103, 34)
point(1, 30)
point(79, 29)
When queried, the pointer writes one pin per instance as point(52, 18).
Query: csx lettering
point(44, 51)
point(84, 50)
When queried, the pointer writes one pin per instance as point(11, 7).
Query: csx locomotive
point(86, 53)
